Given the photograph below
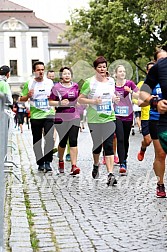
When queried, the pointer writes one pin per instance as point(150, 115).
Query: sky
point(54, 11)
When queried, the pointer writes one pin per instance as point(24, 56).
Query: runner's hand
point(162, 106)
point(98, 101)
point(64, 102)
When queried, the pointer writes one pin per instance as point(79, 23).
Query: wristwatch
point(154, 102)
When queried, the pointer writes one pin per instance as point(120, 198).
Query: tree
point(123, 29)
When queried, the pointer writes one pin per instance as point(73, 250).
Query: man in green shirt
point(4, 86)
point(41, 115)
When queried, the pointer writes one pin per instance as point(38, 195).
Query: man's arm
point(162, 106)
point(26, 93)
point(149, 84)
point(23, 98)
point(144, 97)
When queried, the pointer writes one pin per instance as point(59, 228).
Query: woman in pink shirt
point(64, 97)
point(124, 89)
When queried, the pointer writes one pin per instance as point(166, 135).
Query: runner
point(41, 115)
point(124, 114)
point(98, 93)
point(154, 127)
point(67, 119)
point(146, 141)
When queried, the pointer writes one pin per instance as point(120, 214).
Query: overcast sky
point(57, 11)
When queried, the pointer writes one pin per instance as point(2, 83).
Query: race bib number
point(104, 108)
point(41, 103)
point(122, 110)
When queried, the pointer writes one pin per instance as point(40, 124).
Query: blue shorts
point(145, 127)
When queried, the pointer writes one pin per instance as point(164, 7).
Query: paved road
point(51, 212)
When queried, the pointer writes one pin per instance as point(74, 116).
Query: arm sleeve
point(134, 87)
point(85, 88)
point(25, 90)
point(8, 93)
point(53, 94)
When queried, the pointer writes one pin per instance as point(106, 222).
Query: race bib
point(121, 110)
point(104, 108)
point(41, 103)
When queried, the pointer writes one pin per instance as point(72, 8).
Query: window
point(13, 67)
point(12, 42)
point(34, 42)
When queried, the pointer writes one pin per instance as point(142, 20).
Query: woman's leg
point(62, 130)
point(120, 140)
point(127, 128)
point(108, 150)
point(109, 153)
point(73, 139)
point(96, 135)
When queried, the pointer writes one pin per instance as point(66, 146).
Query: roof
point(55, 32)
point(29, 19)
point(9, 10)
point(10, 6)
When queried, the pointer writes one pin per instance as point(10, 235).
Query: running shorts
point(145, 127)
point(153, 129)
point(162, 135)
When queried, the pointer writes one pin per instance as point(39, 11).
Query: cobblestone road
point(51, 212)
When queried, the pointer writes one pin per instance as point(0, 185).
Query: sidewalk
point(51, 212)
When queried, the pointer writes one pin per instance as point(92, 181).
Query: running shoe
point(41, 167)
point(161, 191)
point(95, 171)
point(111, 180)
point(133, 132)
point(61, 166)
point(122, 168)
point(74, 170)
point(68, 158)
point(140, 155)
point(116, 160)
point(48, 168)
point(104, 160)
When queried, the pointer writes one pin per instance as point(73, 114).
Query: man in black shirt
point(157, 74)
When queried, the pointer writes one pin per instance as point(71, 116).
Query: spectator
point(4, 86)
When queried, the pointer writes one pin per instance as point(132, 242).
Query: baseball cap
point(4, 70)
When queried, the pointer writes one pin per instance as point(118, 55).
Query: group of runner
point(109, 114)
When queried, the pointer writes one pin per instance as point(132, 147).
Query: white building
point(24, 39)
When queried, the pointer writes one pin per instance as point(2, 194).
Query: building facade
point(24, 39)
